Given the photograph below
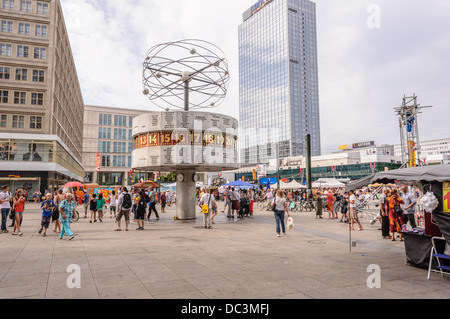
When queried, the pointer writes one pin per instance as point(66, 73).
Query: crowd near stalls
point(394, 204)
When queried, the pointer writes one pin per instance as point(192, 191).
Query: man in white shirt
point(5, 197)
point(409, 209)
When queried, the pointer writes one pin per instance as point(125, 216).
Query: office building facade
point(107, 146)
point(41, 104)
point(278, 73)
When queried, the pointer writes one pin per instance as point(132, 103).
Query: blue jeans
point(279, 218)
point(5, 212)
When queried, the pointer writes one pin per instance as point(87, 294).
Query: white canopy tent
point(292, 185)
point(327, 183)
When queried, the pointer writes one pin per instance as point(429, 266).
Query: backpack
point(126, 204)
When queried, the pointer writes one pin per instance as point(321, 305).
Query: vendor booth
point(434, 181)
point(294, 185)
point(328, 183)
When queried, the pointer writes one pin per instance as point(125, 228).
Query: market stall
point(434, 181)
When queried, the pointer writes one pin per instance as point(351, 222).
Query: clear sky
point(371, 53)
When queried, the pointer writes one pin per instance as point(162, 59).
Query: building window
point(25, 5)
point(7, 26)
point(37, 98)
point(24, 28)
point(104, 119)
point(21, 74)
point(106, 161)
point(42, 8)
point(20, 97)
point(3, 120)
point(4, 73)
point(5, 49)
point(4, 96)
point(22, 51)
point(36, 122)
point(41, 30)
point(40, 53)
point(38, 75)
point(18, 121)
point(8, 4)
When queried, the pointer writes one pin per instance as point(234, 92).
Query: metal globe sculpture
point(185, 75)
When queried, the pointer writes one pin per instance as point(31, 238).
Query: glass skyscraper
point(278, 73)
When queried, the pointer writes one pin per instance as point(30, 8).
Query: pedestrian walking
point(280, 210)
point(140, 209)
point(153, 201)
point(100, 204)
point(330, 204)
point(57, 199)
point(235, 202)
point(344, 208)
point(395, 213)
point(163, 202)
point(319, 205)
point(206, 202)
point(5, 205)
point(47, 207)
point(19, 207)
point(227, 202)
point(66, 212)
point(134, 195)
point(85, 202)
point(384, 212)
point(113, 204)
point(124, 206)
point(409, 210)
point(214, 211)
point(93, 208)
point(353, 212)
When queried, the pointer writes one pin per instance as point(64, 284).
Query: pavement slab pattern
point(237, 259)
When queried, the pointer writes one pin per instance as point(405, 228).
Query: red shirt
point(330, 198)
point(18, 208)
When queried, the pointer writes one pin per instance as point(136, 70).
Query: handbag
point(205, 208)
point(12, 213)
point(274, 205)
point(290, 223)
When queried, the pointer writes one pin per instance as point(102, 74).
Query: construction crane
point(409, 131)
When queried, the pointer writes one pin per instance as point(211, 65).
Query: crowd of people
point(60, 208)
point(397, 207)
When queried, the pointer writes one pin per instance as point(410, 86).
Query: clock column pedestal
point(186, 200)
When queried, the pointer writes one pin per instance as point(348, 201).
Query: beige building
point(41, 104)
point(107, 146)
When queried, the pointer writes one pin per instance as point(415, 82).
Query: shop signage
point(446, 196)
point(363, 144)
point(259, 5)
point(98, 162)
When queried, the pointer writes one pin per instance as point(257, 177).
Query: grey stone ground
point(234, 260)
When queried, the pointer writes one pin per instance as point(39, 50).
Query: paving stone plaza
point(234, 260)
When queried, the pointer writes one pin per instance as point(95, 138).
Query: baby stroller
point(245, 208)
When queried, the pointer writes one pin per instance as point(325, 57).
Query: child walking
point(47, 212)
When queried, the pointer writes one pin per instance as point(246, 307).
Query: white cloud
point(363, 72)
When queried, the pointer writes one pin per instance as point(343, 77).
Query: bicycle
point(293, 207)
point(306, 205)
point(261, 205)
point(75, 217)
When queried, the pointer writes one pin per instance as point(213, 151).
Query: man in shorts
point(124, 207)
